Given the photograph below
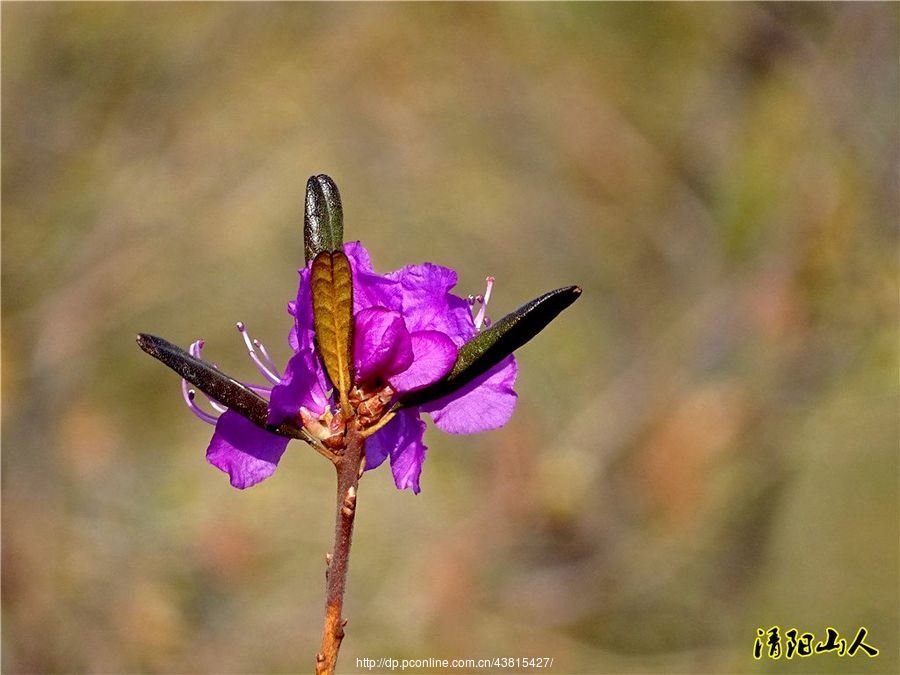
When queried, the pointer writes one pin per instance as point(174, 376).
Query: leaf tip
point(149, 343)
point(323, 225)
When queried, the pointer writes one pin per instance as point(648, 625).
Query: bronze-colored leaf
point(332, 297)
point(489, 347)
point(216, 384)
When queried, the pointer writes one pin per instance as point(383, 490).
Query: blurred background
point(705, 444)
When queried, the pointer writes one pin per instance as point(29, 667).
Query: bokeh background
point(706, 443)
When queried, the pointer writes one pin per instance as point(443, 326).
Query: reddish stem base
point(347, 465)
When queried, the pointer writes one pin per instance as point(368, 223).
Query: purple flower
point(408, 328)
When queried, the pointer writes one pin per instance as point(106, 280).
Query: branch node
point(350, 500)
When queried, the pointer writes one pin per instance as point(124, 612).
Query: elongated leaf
point(323, 220)
point(215, 384)
point(332, 298)
point(491, 346)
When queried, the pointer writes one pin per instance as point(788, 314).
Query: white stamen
point(487, 290)
point(480, 317)
point(268, 374)
point(215, 404)
point(262, 350)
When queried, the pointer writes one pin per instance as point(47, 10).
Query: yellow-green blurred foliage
point(706, 443)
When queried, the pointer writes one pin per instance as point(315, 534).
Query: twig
point(347, 466)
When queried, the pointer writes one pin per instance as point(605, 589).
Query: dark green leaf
point(491, 346)
point(323, 220)
point(216, 384)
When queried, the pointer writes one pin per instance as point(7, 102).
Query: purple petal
point(433, 356)
point(381, 344)
point(429, 305)
point(370, 289)
point(245, 452)
point(409, 454)
point(293, 340)
point(380, 444)
point(485, 403)
point(302, 334)
point(301, 385)
point(359, 256)
point(401, 438)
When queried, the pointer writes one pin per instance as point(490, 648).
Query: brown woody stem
point(347, 465)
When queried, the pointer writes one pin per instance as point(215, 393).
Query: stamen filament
point(215, 404)
point(195, 351)
point(189, 395)
point(269, 362)
point(268, 374)
point(480, 317)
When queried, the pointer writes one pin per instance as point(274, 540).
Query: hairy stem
point(348, 465)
